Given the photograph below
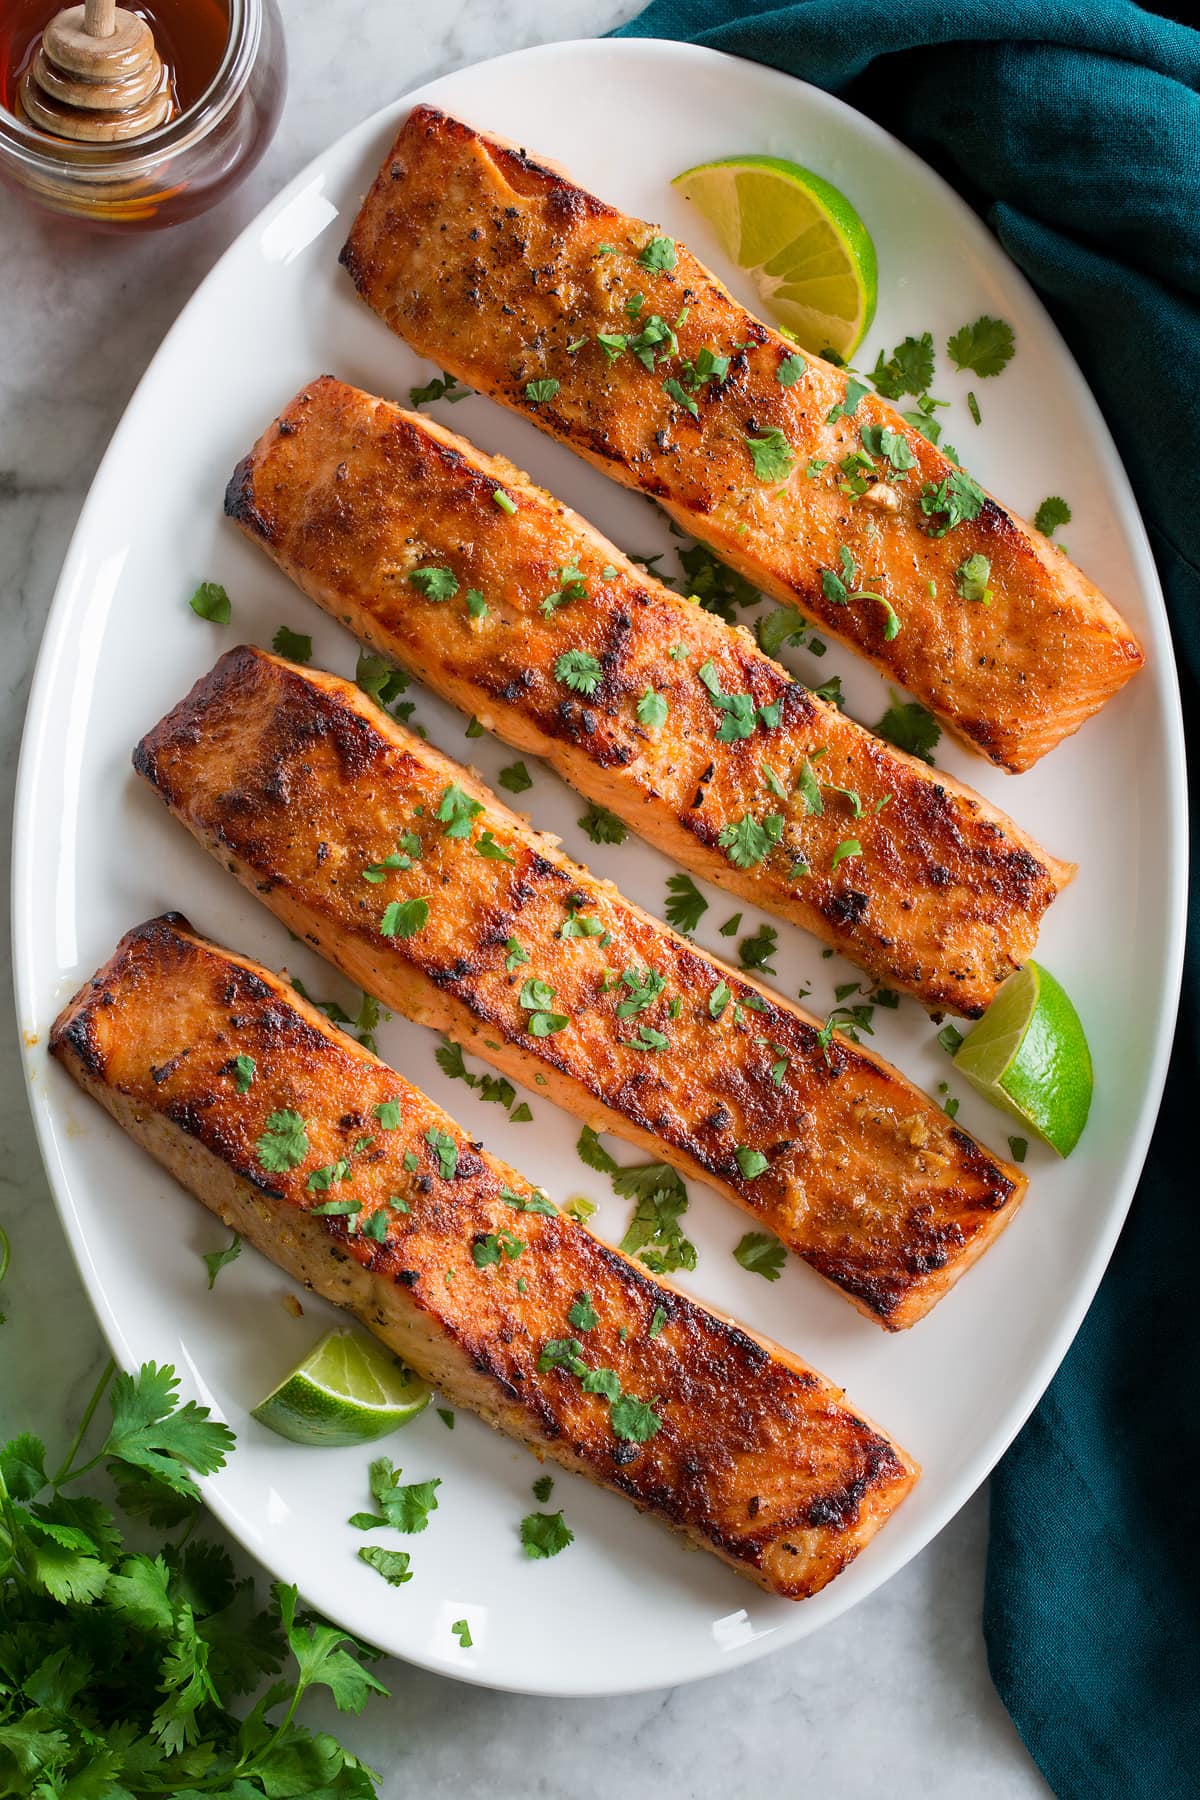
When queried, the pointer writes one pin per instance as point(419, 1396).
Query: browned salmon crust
point(505, 273)
point(351, 495)
point(298, 784)
point(758, 1458)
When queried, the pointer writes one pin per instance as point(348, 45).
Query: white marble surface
point(895, 1695)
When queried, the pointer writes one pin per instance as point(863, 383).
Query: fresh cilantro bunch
point(118, 1667)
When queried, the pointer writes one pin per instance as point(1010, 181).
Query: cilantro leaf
point(908, 370)
point(543, 1487)
point(686, 905)
point(658, 254)
point(391, 1564)
point(908, 726)
point(322, 1661)
point(545, 1534)
point(748, 840)
point(752, 1163)
point(756, 950)
point(591, 1152)
point(297, 646)
point(456, 811)
point(761, 1254)
point(986, 347)
point(771, 455)
point(652, 709)
point(379, 679)
point(654, 1233)
point(775, 629)
point(434, 583)
point(633, 1420)
point(439, 388)
point(539, 393)
point(210, 601)
point(216, 1260)
point(956, 499)
point(462, 1631)
point(516, 778)
point(284, 1143)
point(152, 1433)
point(602, 826)
point(1053, 512)
point(578, 670)
point(404, 1506)
point(404, 918)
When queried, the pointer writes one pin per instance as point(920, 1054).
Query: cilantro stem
point(65, 1472)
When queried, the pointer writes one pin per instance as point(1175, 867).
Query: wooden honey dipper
point(97, 76)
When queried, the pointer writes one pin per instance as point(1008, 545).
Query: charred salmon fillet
point(513, 608)
point(358, 1185)
point(619, 343)
point(423, 888)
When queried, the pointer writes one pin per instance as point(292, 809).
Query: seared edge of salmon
point(758, 1458)
point(493, 264)
point(298, 784)
point(351, 495)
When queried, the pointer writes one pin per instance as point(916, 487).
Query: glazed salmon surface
point(337, 817)
point(468, 1273)
point(674, 720)
point(507, 275)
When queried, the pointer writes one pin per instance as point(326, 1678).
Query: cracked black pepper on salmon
point(729, 1438)
point(552, 302)
point(429, 893)
point(533, 622)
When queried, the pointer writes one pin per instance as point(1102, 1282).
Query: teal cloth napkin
point(1075, 129)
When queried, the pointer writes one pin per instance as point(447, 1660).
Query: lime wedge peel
point(798, 239)
point(1029, 1055)
point(347, 1390)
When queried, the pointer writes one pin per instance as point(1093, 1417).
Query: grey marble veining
point(895, 1695)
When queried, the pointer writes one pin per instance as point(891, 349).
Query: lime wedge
point(1028, 1054)
point(348, 1390)
point(798, 239)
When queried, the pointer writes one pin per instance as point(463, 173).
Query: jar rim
point(104, 161)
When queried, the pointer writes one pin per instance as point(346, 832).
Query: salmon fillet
point(467, 1272)
point(552, 302)
point(741, 773)
point(305, 790)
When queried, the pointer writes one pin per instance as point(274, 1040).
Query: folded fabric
point(1075, 129)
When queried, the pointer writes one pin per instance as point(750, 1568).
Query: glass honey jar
point(226, 66)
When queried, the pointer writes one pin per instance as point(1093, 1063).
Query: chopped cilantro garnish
point(657, 1322)
point(647, 1038)
point(435, 583)
point(591, 1151)
point(652, 709)
point(771, 455)
point(582, 1314)
point(388, 1114)
point(756, 951)
point(658, 254)
point(456, 811)
point(602, 826)
point(909, 369)
point(543, 1487)
point(379, 679)
point(487, 847)
point(719, 999)
point(244, 1071)
point(761, 1254)
point(749, 840)
point(545, 1534)
point(1019, 1146)
point(950, 1038)
point(437, 389)
point(515, 778)
point(297, 646)
point(971, 578)
point(752, 1163)
point(675, 391)
point(847, 847)
point(791, 370)
point(404, 918)
point(956, 499)
point(517, 954)
point(908, 726)
point(644, 986)
point(1053, 512)
point(891, 445)
point(216, 1260)
point(578, 670)
point(985, 347)
point(462, 1631)
point(446, 1151)
point(685, 905)
point(211, 602)
point(538, 392)
point(633, 1420)
point(284, 1143)
point(846, 407)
